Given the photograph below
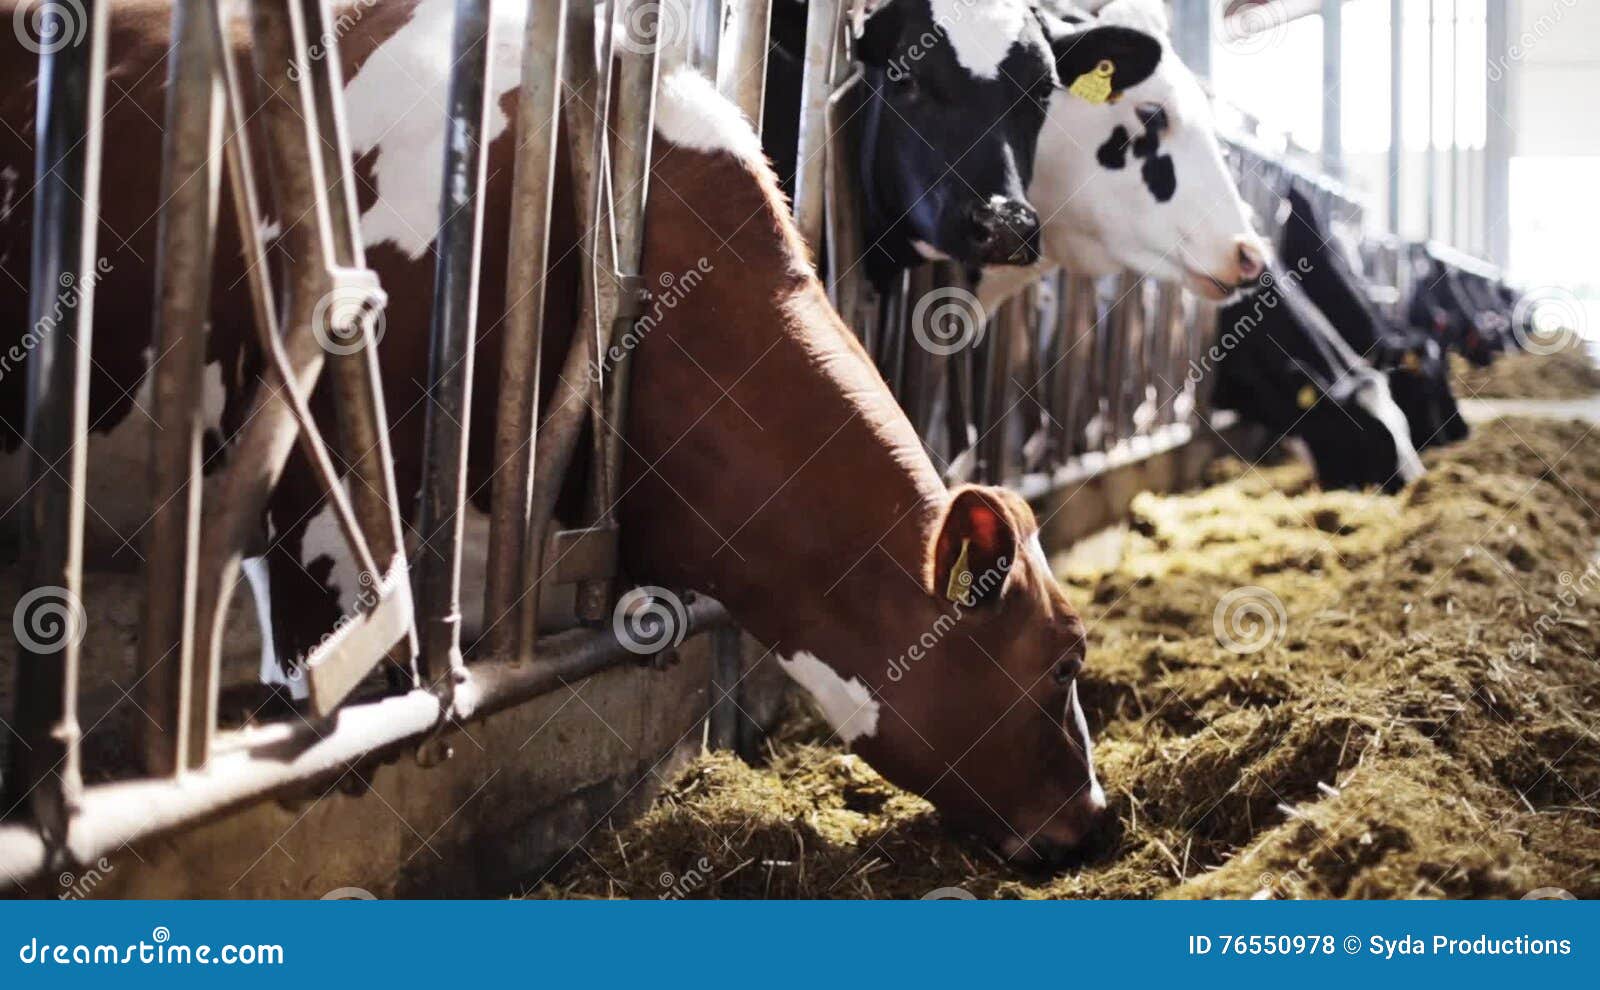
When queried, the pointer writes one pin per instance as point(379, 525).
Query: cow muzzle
point(1077, 832)
point(1003, 231)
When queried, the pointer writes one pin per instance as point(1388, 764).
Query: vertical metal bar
point(191, 173)
point(1430, 187)
point(816, 81)
point(675, 37)
point(1192, 33)
point(1397, 133)
point(452, 334)
point(527, 261)
point(1455, 119)
point(1499, 137)
point(706, 43)
point(46, 769)
point(1333, 86)
point(743, 77)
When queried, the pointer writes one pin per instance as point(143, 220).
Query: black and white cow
point(1419, 376)
point(1132, 178)
point(955, 98)
point(1278, 363)
point(1443, 305)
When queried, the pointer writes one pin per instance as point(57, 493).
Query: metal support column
point(452, 336)
point(1500, 137)
point(1397, 133)
point(1333, 86)
point(46, 771)
point(1192, 30)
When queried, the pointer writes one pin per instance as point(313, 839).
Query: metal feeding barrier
point(1071, 378)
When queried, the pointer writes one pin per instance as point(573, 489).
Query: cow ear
point(974, 550)
point(1132, 56)
point(879, 34)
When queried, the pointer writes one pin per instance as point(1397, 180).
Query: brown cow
point(768, 463)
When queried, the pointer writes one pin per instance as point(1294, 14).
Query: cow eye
point(1068, 669)
point(1041, 93)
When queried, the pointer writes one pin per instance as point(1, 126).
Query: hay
point(1567, 374)
point(1425, 725)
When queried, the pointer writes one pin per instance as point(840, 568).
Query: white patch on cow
point(259, 576)
point(396, 105)
point(271, 230)
point(324, 538)
point(1035, 549)
point(1374, 397)
point(692, 114)
point(929, 252)
point(847, 705)
point(981, 34)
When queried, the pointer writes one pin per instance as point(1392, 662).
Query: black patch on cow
point(1160, 177)
point(1114, 153)
point(1147, 144)
point(1134, 54)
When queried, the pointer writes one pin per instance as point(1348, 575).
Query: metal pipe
point(743, 78)
point(284, 758)
point(1430, 186)
point(46, 771)
point(190, 176)
point(1397, 133)
point(816, 82)
point(1500, 136)
point(527, 264)
point(1332, 86)
point(1455, 120)
point(452, 336)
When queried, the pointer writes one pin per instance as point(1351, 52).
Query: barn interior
point(1296, 689)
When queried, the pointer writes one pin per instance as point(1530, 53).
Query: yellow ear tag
point(960, 576)
point(1307, 397)
point(1411, 362)
point(1095, 85)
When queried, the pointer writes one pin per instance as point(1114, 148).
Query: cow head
point(1134, 178)
point(1419, 380)
point(980, 708)
point(1285, 367)
point(956, 92)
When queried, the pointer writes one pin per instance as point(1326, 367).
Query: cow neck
point(771, 466)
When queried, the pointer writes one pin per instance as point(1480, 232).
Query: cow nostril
point(1251, 260)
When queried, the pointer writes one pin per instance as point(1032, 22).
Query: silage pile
point(1423, 721)
point(1569, 373)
